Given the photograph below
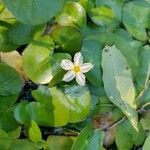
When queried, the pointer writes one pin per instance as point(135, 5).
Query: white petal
point(68, 76)
point(80, 78)
point(78, 59)
point(66, 64)
point(86, 67)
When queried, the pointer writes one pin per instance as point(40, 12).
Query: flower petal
point(66, 64)
point(86, 67)
point(80, 78)
point(78, 59)
point(68, 76)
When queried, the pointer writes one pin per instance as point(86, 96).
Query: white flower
point(76, 69)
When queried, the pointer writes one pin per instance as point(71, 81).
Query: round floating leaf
point(135, 20)
point(34, 11)
point(79, 100)
point(73, 14)
point(68, 38)
point(9, 80)
point(36, 60)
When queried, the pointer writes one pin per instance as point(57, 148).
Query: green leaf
point(9, 80)
point(56, 71)
point(34, 132)
point(24, 144)
point(115, 5)
point(146, 145)
point(5, 42)
point(82, 138)
point(7, 120)
point(69, 39)
point(95, 140)
point(60, 142)
point(15, 134)
point(145, 121)
point(36, 60)
point(89, 140)
point(124, 42)
point(34, 12)
point(79, 100)
point(118, 82)
point(102, 15)
point(91, 51)
point(73, 14)
point(144, 66)
point(127, 136)
point(2, 7)
point(5, 140)
point(135, 20)
point(46, 111)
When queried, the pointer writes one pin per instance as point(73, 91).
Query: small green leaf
point(79, 100)
point(73, 14)
point(60, 142)
point(15, 134)
point(145, 121)
point(36, 60)
point(9, 80)
point(135, 20)
point(81, 140)
point(34, 132)
point(118, 82)
point(91, 51)
point(102, 15)
point(68, 38)
point(146, 145)
point(127, 136)
point(5, 140)
point(144, 66)
point(24, 144)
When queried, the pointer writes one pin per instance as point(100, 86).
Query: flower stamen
point(76, 69)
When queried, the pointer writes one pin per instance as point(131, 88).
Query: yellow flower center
point(76, 69)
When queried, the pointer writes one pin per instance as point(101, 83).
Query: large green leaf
point(34, 11)
point(73, 14)
point(135, 20)
point(118, 82)
point(79, 102)
point(91, 51)
point(9, 80)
